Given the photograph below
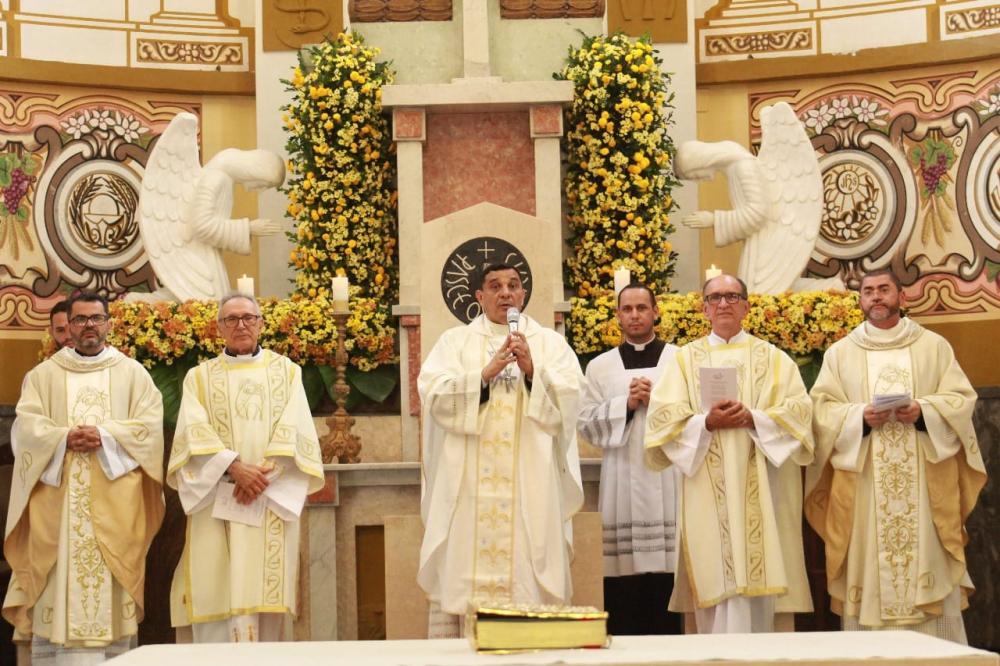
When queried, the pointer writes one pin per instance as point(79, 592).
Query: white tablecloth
point(814, 649)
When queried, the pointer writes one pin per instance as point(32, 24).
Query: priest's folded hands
point(83, 438)
point(728, 414)
point(251, 480)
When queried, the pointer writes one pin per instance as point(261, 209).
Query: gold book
point(516, 628)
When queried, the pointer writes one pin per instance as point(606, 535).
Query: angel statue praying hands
point(185, 211)
point(777, 199)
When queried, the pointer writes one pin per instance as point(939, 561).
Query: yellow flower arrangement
point(803, 324)
point(169, 338)
point(619, 176)
point(341, 190)
point(164, 333)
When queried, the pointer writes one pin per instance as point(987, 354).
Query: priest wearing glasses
point(87, 498)
point(244, 457)
point(501, 470)
point(732, 415)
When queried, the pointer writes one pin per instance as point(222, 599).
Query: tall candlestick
point(712, 272)
point(340, 289)
point(623, 277)
point(244, 285)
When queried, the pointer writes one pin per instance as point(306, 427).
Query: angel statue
point(777, 200)
point(185, 211)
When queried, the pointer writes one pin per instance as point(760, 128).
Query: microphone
point(513, 317)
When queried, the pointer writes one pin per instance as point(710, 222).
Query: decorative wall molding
point(205, 39)
point(741, 30)
point(769, 42)
point(969, 21)
point(551, 9)
point(188, 52)
point(402, 11)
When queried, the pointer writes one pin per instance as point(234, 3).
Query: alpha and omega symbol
point(459, 274)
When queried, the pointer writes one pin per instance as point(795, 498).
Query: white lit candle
point(244, 285)
point(340, 290)
point(712, 272)
point(623, 277)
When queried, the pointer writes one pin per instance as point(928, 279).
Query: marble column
point(409, 131)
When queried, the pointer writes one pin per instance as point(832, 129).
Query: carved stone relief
point(288, 25)
point(665, 21)
point(380, 11)
point(551, 9)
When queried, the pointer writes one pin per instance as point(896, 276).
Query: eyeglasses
point(731, 297)
point(233, 321)
point(94, 320)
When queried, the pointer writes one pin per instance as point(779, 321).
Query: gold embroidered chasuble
point(258, 409)
point(891, 506)
point(501, 480)
point(739, 526)
point(78, 550)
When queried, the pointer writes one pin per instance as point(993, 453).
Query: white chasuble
point(254, 408)
point(638, 505)
point(79, 553)
point(891, 505)
point(501, 478)
point(740, 495)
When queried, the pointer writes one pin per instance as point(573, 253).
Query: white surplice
point(638, 505)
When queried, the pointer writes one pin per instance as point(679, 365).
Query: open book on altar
point(501, 628)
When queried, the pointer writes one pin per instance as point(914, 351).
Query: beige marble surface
point(363, 505)
point(406, 603)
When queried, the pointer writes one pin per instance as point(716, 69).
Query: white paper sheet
point(717, 384)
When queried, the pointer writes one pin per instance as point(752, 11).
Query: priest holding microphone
point(501, 470)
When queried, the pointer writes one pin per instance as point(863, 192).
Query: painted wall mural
point(70, 174)
point(911, 174)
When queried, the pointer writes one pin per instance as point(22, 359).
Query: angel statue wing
point(184, 267)
point(795, 190)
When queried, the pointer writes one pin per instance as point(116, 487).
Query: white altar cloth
point(813, 649)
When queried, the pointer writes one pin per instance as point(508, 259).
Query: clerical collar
point(640, 346)
point(96, 358)
point(646, 355)
point(714, 339)
point(230, 356)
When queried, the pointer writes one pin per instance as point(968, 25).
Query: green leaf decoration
point(376, 384)
point(992, 270)
point(31, 164)
point(6, 166)
point(166, 380)
point(312, 381)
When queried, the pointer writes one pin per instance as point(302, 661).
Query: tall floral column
point(618, 174)
point(342, 198)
